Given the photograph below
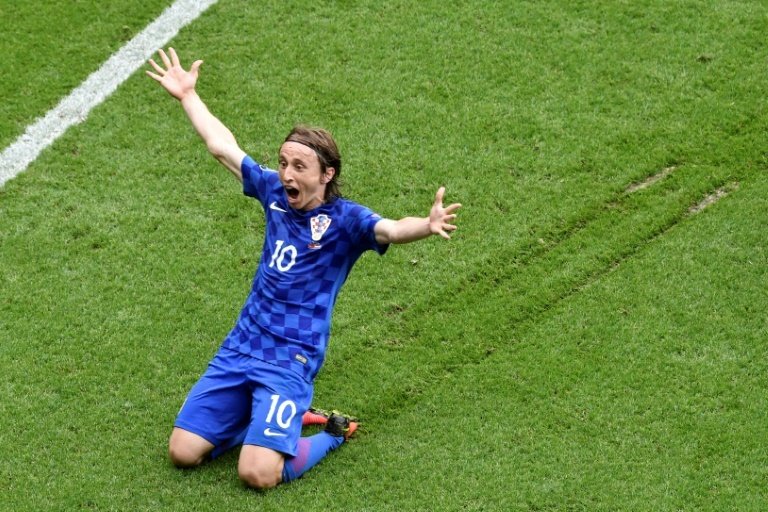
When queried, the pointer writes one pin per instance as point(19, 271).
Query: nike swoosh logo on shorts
point(271, 433)
point(273, 206)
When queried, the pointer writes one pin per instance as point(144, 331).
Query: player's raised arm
point(410, 229)
point(180, 84)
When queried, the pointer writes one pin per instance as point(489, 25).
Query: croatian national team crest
point(319, 225)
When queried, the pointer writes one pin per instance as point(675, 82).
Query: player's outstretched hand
point(441, 220)
point(175, 79)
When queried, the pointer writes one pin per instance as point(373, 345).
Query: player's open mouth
point(293, 193)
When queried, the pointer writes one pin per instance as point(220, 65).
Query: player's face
point(302, 177)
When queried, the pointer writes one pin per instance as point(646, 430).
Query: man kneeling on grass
point(257, 390)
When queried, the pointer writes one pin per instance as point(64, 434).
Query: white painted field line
point(97, 87)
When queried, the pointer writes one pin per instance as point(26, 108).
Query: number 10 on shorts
point(282, 412)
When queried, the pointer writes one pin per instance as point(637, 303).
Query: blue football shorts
point(239, 392)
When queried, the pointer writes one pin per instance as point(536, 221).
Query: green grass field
point(588, 341)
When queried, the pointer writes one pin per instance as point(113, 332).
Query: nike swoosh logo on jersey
point(273, 206)
point(271, 433)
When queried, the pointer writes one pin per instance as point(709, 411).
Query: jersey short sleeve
point(361, 228)
point(258, 180)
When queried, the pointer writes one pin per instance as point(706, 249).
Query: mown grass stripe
point(74, 108)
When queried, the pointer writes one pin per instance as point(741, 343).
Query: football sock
point(228, 444)
point(311, 451)
point(313, 418)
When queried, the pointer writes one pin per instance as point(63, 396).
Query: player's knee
point(259, 476)
point(184, 456)
point(187, 450)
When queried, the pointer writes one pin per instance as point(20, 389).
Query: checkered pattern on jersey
point(286, 318)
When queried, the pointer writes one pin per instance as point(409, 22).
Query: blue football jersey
point(306, 258)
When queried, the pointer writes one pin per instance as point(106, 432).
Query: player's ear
point(328, 175)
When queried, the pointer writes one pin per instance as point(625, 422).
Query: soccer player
point(259, 385)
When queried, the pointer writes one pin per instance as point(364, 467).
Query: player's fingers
point(453, 208)
point(154, 75)
point(439, 195)
point(164, 58)
point(160, 71)
point(195, 67)
point(174, 57)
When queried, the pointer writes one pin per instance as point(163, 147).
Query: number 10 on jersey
point(283, 257)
